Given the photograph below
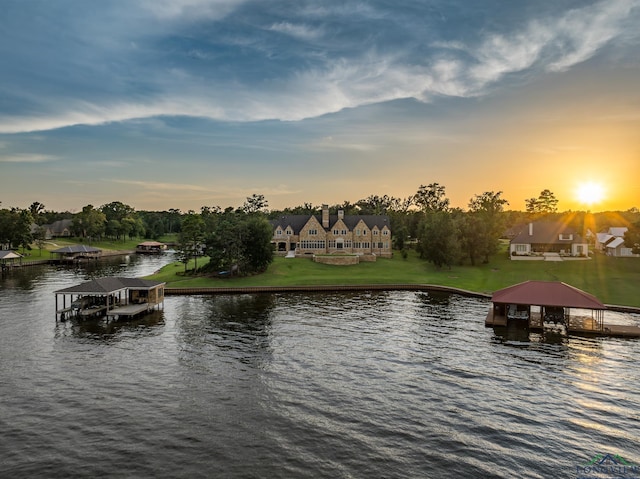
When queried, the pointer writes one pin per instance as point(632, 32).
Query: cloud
point(350, 55)
point(210, 9)
point(299, 31)
point(28, 158)
point(152, 185)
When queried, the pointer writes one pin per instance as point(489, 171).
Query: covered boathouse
point(553, 305)
point(77, 252)
point(113, 297)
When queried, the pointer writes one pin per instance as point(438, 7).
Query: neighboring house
point(325, 233)
point(611, 242)
point(58, 229)
point(548, 237)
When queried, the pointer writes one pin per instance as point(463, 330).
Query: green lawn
point(612, 280)
point(105, 245)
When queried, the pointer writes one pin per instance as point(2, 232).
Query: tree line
point(239, 239)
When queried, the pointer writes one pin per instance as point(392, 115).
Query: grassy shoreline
point(612, 280)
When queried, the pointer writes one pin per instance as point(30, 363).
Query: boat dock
point(114, 298)
point(551, 306)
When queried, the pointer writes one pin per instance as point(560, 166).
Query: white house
point(611, 242)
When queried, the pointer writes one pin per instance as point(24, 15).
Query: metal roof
point(77, 248)
point(547, 293)
point(8, 254)
point(110, 285)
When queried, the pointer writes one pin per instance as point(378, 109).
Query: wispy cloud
point(152, 185)
point(351, 55)
point(27, 158)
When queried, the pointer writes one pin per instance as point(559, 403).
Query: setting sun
point(590, 193)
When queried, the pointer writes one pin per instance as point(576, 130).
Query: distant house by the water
point(58, 229)
point(332, 234)
point(547, 237)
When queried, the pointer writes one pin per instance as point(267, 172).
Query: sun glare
point(590, 193)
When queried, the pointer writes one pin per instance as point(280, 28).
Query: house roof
point(618, 231)
point(150, 243)
point(8, 254)
point(615, 243)
point(546, 232)
point(110, 285)
point(297, 222)
point(547, 293)
point(58, 227)
point(77, 248)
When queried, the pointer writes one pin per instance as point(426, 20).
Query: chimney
point(325, 216)
point(530, 229)
point(340, 214)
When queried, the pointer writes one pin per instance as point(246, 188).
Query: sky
point(188, 103)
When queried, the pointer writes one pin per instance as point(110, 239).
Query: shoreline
point(350, 287)
point(169, 291)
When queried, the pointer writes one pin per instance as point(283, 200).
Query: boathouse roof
point(547, 293)
point(77, 248)
point(110, 285)
point(8, 254)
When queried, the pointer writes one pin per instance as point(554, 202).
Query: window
point(336, 232)
point(364, 232)
point(385, 232)
point(521, 248)
point(358, 232)
point(375, 232)
point(568, 237)
point(279, 232)
point(307, 244)
point(343, 232)
point(313, 232)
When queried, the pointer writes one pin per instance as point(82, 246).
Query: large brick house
point(329, 234)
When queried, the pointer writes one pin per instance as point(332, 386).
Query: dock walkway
point(127, 311)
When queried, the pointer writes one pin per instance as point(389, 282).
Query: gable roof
point(615, 242)
point(8, 254)
point(546, 232)
point(110, 285)
point(618, 231)
point(297, 222)
point(547, 293)
point(59, 226)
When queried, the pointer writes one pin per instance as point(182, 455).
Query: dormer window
point(288, 231)
point(279, 232)
point(566, 237)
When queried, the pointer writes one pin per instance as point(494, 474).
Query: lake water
point(367, 384)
